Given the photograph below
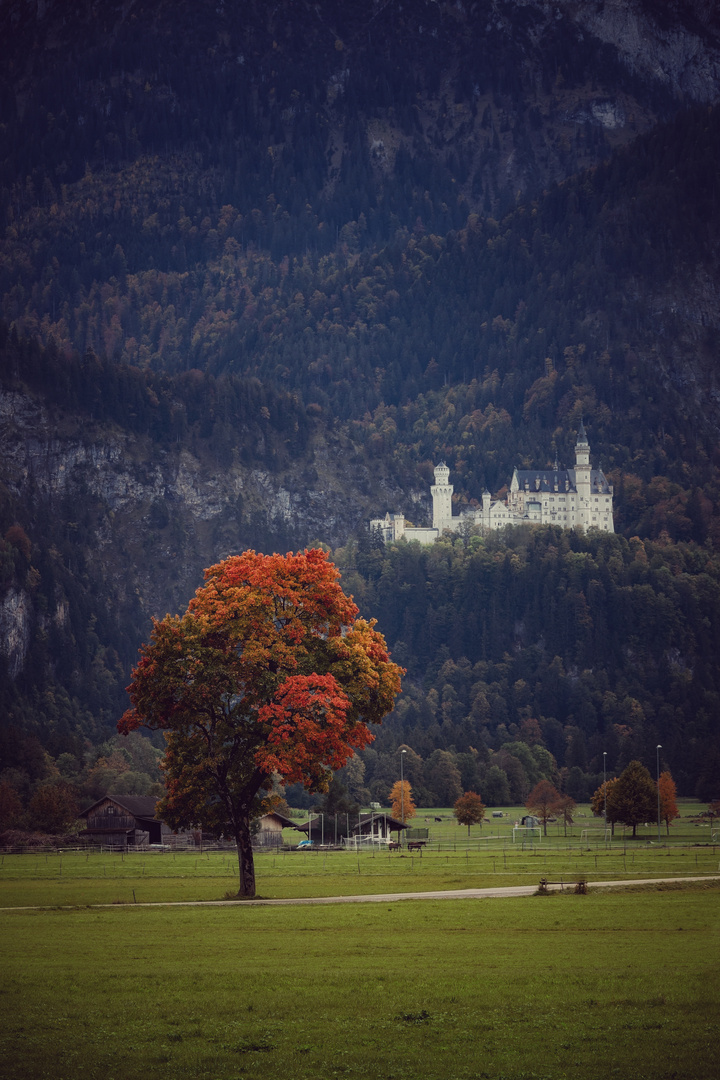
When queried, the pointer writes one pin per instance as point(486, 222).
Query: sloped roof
point(139, 806)
point(286, 822)
point(548, 479)
point(368, 819)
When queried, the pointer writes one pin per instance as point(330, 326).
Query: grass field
point(80, 879)
point(452, 860)
point(623, 984)
point(612, 984)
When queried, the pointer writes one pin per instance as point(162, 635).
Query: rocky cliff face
point(674, 43)
point(141, 522)
point(15, 626)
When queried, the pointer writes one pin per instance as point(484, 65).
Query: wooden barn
point(128, 821)
point(269, 830)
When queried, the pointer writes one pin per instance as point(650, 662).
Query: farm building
point(129, 821)
point(323, 828)
point(269, 830)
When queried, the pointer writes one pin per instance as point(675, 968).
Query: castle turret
point(441, 493)
point(582, 478)
point(486, 503)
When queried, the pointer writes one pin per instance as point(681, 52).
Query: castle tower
point(441, 493)
point(486, 502)
point(582, 475)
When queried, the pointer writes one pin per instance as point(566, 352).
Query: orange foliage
point(401, 801)
point(469, 809)
point(269, 672)
point(668, 803)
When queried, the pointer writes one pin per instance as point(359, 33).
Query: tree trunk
point(246, 863)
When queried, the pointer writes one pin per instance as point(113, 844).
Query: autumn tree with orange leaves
point(469, 810)
point(402, 804)
point(542, 801)
point(668, 799)
point(268, 673)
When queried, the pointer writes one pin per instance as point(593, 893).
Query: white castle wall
point(579, 498)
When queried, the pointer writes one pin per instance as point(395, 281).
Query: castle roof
point(548, 479)
point(558, 480)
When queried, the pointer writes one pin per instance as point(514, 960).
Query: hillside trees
point(54, 807)
point(207, 272)
point(457, 379)
point(519, 681)
point(269, 673)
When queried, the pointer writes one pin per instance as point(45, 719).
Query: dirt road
point(387, 898)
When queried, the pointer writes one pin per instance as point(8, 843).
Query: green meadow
point(73, 878)
point(617, 983)
point(622, 984)
point(452, 860)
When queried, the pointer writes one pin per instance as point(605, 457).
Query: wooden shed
point(269, 830)
point(128, 821)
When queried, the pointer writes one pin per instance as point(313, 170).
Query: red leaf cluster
point(269, 672)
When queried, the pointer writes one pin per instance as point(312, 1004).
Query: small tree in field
point(633, 797)
point(668, 802)
point(269, 673)
point(401, 800)
point(469, 810)
point(597, 803)
point(542, 801)
point(565, 807)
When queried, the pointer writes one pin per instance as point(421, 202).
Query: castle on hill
point(579, 498)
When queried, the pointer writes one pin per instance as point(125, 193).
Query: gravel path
point(386, 898)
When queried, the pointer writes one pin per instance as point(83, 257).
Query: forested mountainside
point(548, 642)
point(261, 267)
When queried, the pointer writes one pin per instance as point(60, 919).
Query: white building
point(579, 498)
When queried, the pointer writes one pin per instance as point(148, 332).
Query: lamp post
point(402, 788)
point(605, 793)
point(657, 750)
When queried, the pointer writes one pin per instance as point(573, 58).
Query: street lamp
point(605, 792)
point(402, 788)
point(657, 750)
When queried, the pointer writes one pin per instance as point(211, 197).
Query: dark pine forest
point(352, 240)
